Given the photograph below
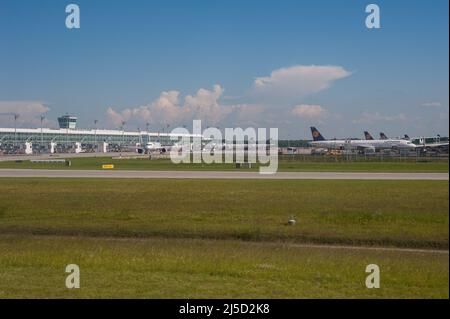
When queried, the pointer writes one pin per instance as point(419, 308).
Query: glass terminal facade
point(20, 135)
point(67, 121)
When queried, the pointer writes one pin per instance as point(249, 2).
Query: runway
point(45, 173)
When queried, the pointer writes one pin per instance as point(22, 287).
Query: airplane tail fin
point(406, 136)
point(383, 136)
point(368, 136)
point(316, 134)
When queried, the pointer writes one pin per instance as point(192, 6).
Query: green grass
point(393, 213)
point(221, 238)
point(34, 267)
point(309, 164)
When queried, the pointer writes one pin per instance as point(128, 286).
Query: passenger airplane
point(368, 136)
point(422, 144)
point(383, 136)
point(366, 145)
point(155, 147)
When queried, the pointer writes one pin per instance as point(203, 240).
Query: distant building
point(67, 122)
point(90, 136)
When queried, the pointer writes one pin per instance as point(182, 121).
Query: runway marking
point(47, 173)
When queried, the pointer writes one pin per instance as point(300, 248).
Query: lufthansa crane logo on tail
point(315, 134)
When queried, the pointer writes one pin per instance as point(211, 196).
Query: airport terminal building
point(68, 137)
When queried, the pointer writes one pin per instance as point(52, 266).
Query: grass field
point(398, 213)
point(34, 267)
point(221, 238)
point(320, 164)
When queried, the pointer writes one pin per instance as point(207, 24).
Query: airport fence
point(362, 158)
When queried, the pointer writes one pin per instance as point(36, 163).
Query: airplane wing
point(365, 148)
point(433, 146)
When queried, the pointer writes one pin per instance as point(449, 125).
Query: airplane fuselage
point(365, 144)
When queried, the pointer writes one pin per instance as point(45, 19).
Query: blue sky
point(285, 64)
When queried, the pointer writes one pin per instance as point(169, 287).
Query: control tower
point(67, 121)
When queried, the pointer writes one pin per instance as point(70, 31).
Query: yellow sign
point(107, 166)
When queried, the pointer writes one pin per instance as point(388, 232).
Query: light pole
point(161, 139)
point(123, 132)
point(95, 134)
point(42, 132)
point(16, 116)
point(167, 137)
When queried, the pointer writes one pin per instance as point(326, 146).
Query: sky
point(231, 63)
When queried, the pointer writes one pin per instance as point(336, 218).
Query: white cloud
point(309, 111)
point(274, 95)
point(432, 104)
point(298, 81)
point(115, 117)
point(29, 112)
point(369, 118)
point(167, 108)
point(205, 105)
point(164, 108)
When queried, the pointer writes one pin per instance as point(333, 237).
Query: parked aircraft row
point(371, 144)
point(383, 136)
point(156, 147)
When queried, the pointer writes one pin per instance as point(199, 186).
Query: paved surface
point(7, 158)
point(217, 175)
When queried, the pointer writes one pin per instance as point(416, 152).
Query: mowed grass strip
point(34, 267)
point(284, 165)
point(383, 213)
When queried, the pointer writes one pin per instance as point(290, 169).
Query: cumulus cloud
point(269, 96)
point(369, 118)
point(298, 81)
point(309, 111)
point(164, 108)
point(116, 117)
point(29, 112)
point(205, 105)
point(168, 108)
